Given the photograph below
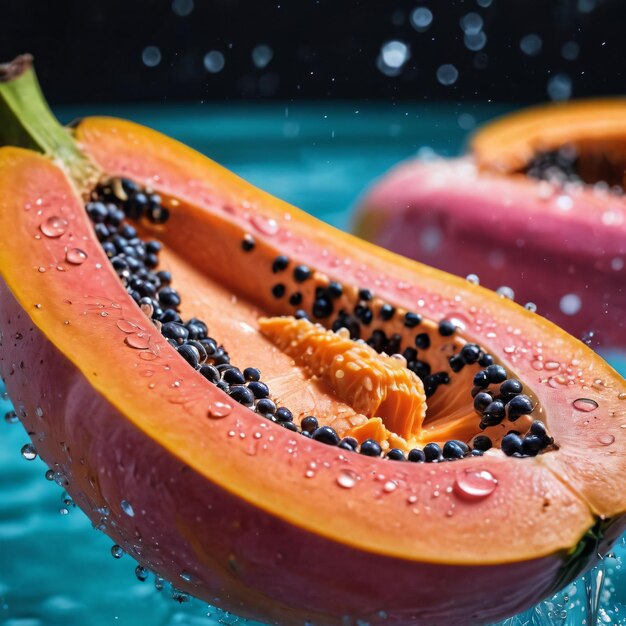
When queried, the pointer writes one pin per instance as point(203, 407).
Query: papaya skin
point(329, 547)
point(482, 214)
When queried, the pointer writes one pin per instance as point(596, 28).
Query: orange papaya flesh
point(377, 386)
point(518, 337)
point(595, 130)
point(115, 408)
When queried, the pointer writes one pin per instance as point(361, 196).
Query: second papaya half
point(537, 205)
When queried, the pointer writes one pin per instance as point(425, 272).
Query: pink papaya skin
point(563, 250)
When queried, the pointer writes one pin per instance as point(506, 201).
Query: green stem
point(26, 121)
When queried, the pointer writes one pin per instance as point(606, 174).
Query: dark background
point(95, 50)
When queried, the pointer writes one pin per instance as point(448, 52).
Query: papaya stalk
point(26, 120)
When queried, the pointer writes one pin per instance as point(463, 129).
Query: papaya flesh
point(230, 505)
point(537, 205)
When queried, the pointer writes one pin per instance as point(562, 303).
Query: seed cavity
point(362, 351)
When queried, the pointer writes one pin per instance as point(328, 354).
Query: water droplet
point(159, 583)
point(552, 365)
point(117, 552)
point(151, 56)
point(347, 479)
point(586, 405)
point(141, 573)
point(570, 304)
point(127, 508)
point(474, 485)
point(447, 74)
point(390, 486)
point(531, 306)
point(29, 452)
point(393, 55)
point(621, 395)
point(53, 227)
point(214, 61)
point(138, 341)
point(188, 577)
point(11, 417)
point(506, 292)
point(266, 225)
point(75, 256)
point(606, 439)
point(218, 410)
point(179, 596)
point(473, 278)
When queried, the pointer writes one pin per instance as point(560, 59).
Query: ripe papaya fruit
point(537, 205)
point(280, 418)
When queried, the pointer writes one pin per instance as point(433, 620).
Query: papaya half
point(536, 205)
point(281, 419)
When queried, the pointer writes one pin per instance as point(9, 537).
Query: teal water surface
point(54, 568)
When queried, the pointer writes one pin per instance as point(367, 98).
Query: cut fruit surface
point(282, 519)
